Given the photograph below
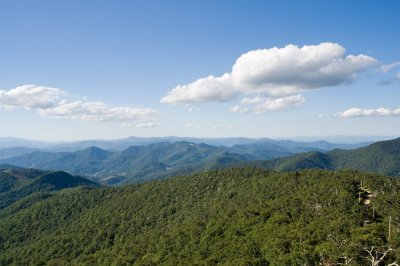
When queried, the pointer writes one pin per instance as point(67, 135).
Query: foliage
point(381, 157)
point(243, 216)
point(16, 184)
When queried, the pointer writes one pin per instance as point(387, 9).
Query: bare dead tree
point(376, 257)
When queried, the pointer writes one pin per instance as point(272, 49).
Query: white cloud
point(288, 70)
point(276, 104)
point(51, 102)
point(207, 89)
point(30, 97)
point(147, 125)
point(276, 72)
point(97, 111)
point(193, 125)
point(127, 125)
point(394, 78)
point(358, 112)
point(250, 100)
point(140, 125)
point(324, 115)
point(238, 109)
point(387, 68)
point(268, 104)
point(224, 127)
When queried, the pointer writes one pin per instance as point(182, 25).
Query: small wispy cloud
point(283, 103)
point(324, 115)
point(223, 127)
point(379, 112)
point(140, 125)
point(251, 100)
point(239, 110)
point(266, 105)
point(389, 67)
point(193, 125)
point(147, 125)
point(390, 80)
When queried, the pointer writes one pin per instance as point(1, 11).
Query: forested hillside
point(17, 183)
point(228, 217)
point(381, 157)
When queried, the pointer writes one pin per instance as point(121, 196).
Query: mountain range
point(10, 147)
point(165, 159)
point(140, 163)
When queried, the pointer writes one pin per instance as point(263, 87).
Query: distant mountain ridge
point(165, 159)
point(10, 147)
point(136, 163)
point(155, 160)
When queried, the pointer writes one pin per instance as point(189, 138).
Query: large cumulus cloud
point(277, 73)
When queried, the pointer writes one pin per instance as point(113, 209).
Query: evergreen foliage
point(243, 216)
point(17, 183)
point(381, 157)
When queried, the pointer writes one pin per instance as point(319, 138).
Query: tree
point(377, 255)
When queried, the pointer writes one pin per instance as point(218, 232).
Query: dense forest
point(228, 217)
point(17, 183)
point(382, 157)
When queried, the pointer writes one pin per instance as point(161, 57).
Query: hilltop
point(17, 183)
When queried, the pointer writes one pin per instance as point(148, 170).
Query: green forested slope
point(228, 217)
point(381, 157)
point(17, 183)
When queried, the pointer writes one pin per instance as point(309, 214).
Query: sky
point(73, 70)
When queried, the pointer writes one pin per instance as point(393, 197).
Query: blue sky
point(74, 70)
